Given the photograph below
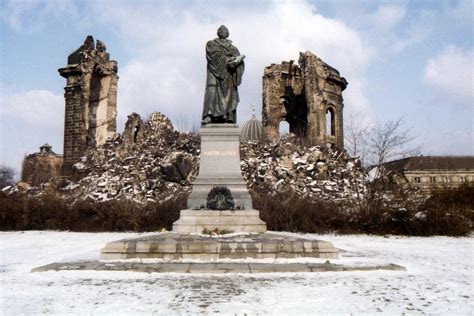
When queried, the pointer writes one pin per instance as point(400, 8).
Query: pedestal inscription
point(220, 166)
point(220, 171)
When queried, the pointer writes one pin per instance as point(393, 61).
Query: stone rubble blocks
point(139, 165)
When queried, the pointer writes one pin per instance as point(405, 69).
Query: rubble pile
point(150, 161)
point(315, 172)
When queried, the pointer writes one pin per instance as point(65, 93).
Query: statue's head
point(223, 32)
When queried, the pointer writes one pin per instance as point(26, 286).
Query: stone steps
point(195, 221)
point(173, 246)
point(215, 268)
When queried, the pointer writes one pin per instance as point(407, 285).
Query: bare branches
point(356, 137)
point(390, 140)
point(380, 142)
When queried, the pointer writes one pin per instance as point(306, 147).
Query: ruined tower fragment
point(42, 166)
point(90, 100)
point(308, 96)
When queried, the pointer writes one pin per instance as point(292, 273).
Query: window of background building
point(432, 179)
point(417, 179)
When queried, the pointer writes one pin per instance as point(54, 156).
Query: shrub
point(450, 211)
point(446, 212)
point(19, 212)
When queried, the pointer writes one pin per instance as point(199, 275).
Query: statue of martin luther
point(225, 67)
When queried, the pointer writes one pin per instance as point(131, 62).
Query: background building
point(431, 172)
point(42, 166)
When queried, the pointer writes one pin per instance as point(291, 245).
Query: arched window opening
point(284, 128)
point(330, 122)
point(135, 133)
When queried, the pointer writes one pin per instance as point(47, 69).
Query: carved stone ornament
point(220, 198)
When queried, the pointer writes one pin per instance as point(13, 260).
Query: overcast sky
point(401, 58)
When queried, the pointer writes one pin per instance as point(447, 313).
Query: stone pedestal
point(177, 246)
point(195, 221)
point(219, 166)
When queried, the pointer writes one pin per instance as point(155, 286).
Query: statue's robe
point(221, 96)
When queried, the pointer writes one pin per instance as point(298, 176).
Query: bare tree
point(391, 140)
point(356, 137)
point(380, 142)
point(7, 176)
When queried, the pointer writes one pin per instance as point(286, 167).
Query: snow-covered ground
point(439, 280)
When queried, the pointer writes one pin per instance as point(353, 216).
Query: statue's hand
point(234, 62)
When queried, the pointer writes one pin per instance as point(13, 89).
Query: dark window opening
point(135, 133)
point(330, 122)
point(296, 112)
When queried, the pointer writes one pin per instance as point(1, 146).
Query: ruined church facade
point(90, 100)
point(308, 96)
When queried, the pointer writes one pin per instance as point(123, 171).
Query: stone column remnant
point(90, 100)
point(308, 96)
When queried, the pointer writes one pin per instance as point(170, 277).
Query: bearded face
point(222, 32)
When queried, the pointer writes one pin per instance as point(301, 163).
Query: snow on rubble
point(151, 161)
point(318, 172)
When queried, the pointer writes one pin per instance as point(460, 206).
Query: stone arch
point(283, 127)
point(330, 126)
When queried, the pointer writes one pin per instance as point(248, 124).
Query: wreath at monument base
point(220, 198)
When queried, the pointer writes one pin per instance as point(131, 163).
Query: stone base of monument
point(214, 267)
point(219, 184)
point(219, 166)
point(196, 221)
point(220, 201)
point(174, 246)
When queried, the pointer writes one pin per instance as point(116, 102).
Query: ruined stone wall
point(41, 167)
point(90, 100)
point(308, 96)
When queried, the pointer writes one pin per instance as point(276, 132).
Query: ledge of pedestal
point(195, 221)
point(178, 246)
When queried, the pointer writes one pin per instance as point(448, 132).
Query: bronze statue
point(225, 67)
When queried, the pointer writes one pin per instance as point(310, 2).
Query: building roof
point(432, 163)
